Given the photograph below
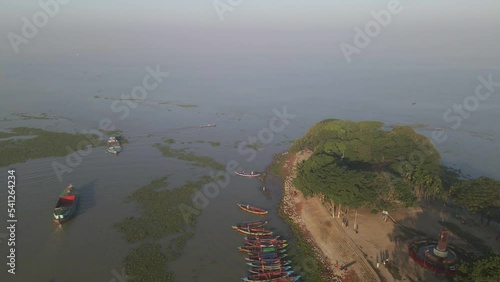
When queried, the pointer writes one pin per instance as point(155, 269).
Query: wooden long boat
point(269, 266)
point(286, 279)
point(257, 270)
point(252, 209)
point(256, 253)
point(253, 224)
point(247, 173)
point(268, 261)
point(263, 257)
point(263, 242)
point(261, 250)
point(267, 276)
point(264, 245)
point(254, 231)
point(282, 279)
point(264, 237)
point(260, 247)
point(114, 146)
point(66, 205)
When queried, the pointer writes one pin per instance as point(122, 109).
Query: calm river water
point(240, 97)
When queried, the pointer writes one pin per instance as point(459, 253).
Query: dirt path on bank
point(313, 218)
point(376, 240)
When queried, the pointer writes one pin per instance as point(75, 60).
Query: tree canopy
point(363, 164)
point(360, 163)
point(483, 270)
point(480, 195)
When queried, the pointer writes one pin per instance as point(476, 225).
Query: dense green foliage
point(161, 217)
point(480, 195)
point(360, 164)
point(141, 260)
point(483, 270)
point(41, 144)
point(160, 208)
point(183, 154)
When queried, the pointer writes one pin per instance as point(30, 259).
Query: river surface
point(239, 95)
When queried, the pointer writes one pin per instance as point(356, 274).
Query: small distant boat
point(252, 209)
point(66, 205)
point(207, 125)
point(114, 146)
point(247, 173)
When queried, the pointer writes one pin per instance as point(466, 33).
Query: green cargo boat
point(66, 205)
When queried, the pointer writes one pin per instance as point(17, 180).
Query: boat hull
point(247, 174)
point(252, 209)
point(66, 206)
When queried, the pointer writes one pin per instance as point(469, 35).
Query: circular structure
point(435, 256)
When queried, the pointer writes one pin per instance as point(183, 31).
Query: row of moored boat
point(266, 255)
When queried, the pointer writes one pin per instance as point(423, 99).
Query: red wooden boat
point(252, 209)
point(66, 205)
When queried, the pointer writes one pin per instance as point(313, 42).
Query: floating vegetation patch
point(117, 99)
point(43, 144)
point(186, 105)
point(42, 116)
point(256, 146)
point(160, 216)
point(169, 141)
point(147, 263)
point(183, 154)
point(215, 144)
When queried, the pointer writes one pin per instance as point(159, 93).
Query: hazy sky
point(447, 33)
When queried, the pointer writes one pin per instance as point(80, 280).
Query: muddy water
point(89, 249)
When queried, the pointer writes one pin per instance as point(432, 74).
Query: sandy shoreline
point(317, 224)
point(363, 252)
